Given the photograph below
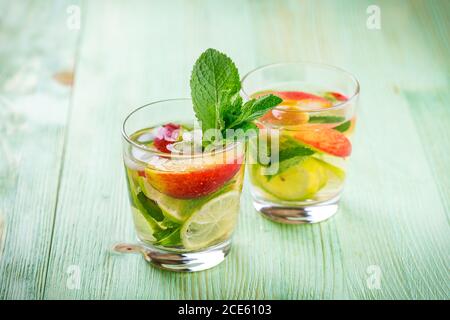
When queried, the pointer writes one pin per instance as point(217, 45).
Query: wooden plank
point(429, 106)
point(124, 42)
point(94, 208)
point(431, 115)
point(36, 46)
point(393, 217)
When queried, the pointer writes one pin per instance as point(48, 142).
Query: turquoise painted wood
point(62, 186)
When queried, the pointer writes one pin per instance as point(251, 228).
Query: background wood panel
point(35, 45)
point(394, 216)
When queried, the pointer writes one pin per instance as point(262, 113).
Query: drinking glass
point(184, 204)
point(314, 126)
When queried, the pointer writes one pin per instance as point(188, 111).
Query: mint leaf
point(286, 164)
point(326, 119)
point(215, 86)
point(290, 148)
point(344, 126)
point(291, 153)
point(168, 237)
point(231, 108)
point(214, 79)
point(149, 207)
point(168, 234)
point(248, 126)
point(256, 108)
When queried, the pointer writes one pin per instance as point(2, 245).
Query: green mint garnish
point(169, 236)
point(343, 127)
point(214, 79)
point(150, 207)
point(253, 109)
point(291, 153)
point(215, 86)
point(290, 148)
point(326, 119)
point(286, 164)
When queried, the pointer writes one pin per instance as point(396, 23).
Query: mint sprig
point(326, 119)
point(344, 126)
point(253, 109)
point(290, 148)
point(215, 86)
point(291, 152)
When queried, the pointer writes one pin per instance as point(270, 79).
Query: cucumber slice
point(299, 182)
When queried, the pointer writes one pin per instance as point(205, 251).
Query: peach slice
point(325, 139)
point(303, 100)
point(336, 95)
point(299, 95)
point(285, 115)
point(298, 98)
point(194, 182)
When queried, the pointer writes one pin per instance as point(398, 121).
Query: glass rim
point(339, 105)
point(170, 155)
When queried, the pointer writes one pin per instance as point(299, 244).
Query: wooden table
point(62, 186)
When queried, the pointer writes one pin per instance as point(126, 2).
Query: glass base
point(298, 214)
point(179, 261)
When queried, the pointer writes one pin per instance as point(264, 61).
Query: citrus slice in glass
point(177, 210)
point(215, 220)
point(299, 182)
point(143, 227)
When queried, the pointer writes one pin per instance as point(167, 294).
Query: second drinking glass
point(314, 125)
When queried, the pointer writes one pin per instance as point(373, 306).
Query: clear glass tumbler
point(314, 126)
point(185, 201)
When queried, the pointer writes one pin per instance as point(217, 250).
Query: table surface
point(64, 91)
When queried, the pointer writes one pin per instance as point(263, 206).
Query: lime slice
point(332, 170)
point(301, 181)
point(143, 226)
point(215, 220)
point(336, 175)
point(177, 210)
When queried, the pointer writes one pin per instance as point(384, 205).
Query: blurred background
point(71, 70)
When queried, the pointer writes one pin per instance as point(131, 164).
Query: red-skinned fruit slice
point(325, 139)
point(296, 98)
point(289, 113)
point(299, 95)
point(141, 173)
point(302, 100)
point(338, 96)
point(167, 134)
point(192, 184)
point(285, 115)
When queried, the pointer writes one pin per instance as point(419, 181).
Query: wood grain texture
point(34, 45)
point(394, 216)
